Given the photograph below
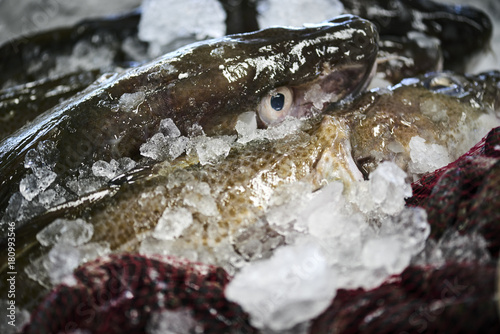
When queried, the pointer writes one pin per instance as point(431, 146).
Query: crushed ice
point(70, 247)
point(339, 243)
point(165, 30)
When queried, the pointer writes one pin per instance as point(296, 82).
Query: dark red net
point(465, 195)
point(457, 298)
point(119, 294)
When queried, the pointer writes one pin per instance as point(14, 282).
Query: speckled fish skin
point(447, 109)
point(207, 83)
point(333, 148)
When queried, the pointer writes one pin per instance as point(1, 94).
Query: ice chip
point(129, 102)
point(211, 150)
point(199, 197)
point(425, 157)
point(177, 146)
point(155, 148)
point(385, 253)
point(172, 223)
point(73, 232)
point(169, 129)
point(161, 148)
point(105, 169)
point(300, 287)
point(43, 157)
point(246, 126)
point(29, 187)
point(389, 188)
point(62, 260)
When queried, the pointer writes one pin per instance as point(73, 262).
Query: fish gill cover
point(370, 251)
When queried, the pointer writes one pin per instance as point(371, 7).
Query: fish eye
point(276, 105)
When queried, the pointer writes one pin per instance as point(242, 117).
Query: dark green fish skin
point(209, 83)
point(18, 56)
point(23, 103)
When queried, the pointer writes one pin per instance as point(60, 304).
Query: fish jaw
point(335, 163)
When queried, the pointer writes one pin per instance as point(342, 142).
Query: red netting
point(457, 298)
point(465, 195)
point(119, 293)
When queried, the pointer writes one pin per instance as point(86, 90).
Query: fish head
point(278, 72)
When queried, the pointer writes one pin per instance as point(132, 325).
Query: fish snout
point(332, 62)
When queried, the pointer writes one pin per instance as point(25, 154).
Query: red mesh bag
point(465, 195)
point(119, 294)
point(457, 298)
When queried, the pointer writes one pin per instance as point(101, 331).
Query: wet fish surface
point(54, 154)
point(235, 72)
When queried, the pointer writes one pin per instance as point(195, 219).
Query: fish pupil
point(278, 101)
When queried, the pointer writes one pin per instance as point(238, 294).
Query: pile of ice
point(296, 12)
point(70, 247)
point(246, 127)
point(337, 238)
point(168, 144)
point(170, 24)
point(38, 190)
point(26, 17)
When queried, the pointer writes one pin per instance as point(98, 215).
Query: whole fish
point(202, 89)
point(463, 31)
point(208, 85)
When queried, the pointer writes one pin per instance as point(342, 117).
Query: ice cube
point(300, 287)
point(129, 102)
point(172, 223)
point(425, 157)
point(169, 129)
point(73, 232)
point(211, 150)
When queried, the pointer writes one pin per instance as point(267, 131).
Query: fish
point(202, 89)
point(206, 84)
point(204, 212)
point(463, 31)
